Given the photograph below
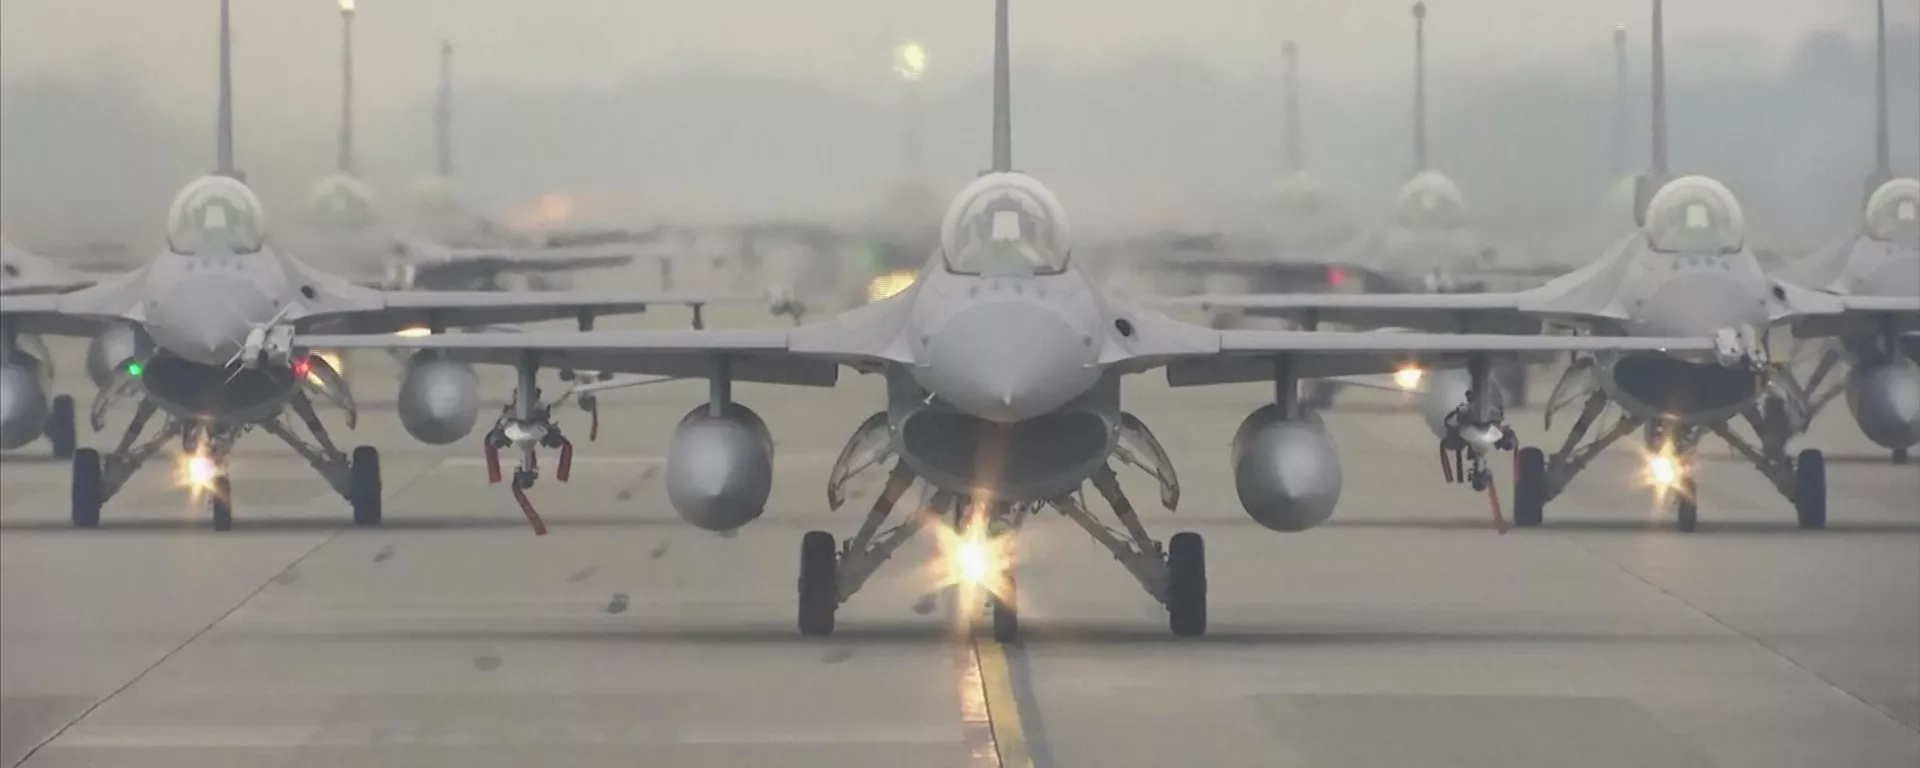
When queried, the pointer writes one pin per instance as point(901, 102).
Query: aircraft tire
point(1006, 611)
point(1687, 506)
point(819, 583)
point(363, 485)
point(60, 429)
point(220, 498)
point(1187, 584)
point(1810, 488)
point(86, 488)
point(1530, 488)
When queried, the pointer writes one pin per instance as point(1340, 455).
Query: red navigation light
point(1336, 276)
point(302, 367)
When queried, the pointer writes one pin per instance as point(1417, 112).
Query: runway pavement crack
point(1748, 636)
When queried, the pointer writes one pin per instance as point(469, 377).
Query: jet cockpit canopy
point(1893, 212)
point(1695, 214)
point(1430, 201)
point(1005, 222)
point(216, 214)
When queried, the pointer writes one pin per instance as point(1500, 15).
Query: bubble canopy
point(1893, 212)
point(1005, 222)
point(216, 214)
point(1695, 214)
point(342, 198)
point(1431, 200)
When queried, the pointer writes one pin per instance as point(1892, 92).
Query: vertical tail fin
point(1660, 168)
point(223, 120)
point(443, 113)
point(1882, 151)
point(1420, 87)
point(1650, 182)
point(1291, 53)
point(345, 159)
point(1620, 106)
point(1002, 92)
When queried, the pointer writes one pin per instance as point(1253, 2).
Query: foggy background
point(1139, 115)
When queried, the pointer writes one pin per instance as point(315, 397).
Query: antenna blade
point(1002, 93)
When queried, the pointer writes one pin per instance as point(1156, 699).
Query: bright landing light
point(201, 471)
point(885, 286)
point(1408, 378)
point(974, 561)
point(413, 333)
point(1663, 470)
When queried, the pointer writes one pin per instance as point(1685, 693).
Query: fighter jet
point(441, 243)
point(1003, 362)
point(204, 318)
point(1303, 232)
point(1882, 258)
point(1688, 270)
point(23, 273)
point(1427, 243)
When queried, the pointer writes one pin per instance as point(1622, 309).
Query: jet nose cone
point(206, 319)
point(1008, 362)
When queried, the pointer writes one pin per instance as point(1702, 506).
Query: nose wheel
point(220, 500)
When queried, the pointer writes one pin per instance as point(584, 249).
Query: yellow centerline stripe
point(976, 726)
point(1003, 710)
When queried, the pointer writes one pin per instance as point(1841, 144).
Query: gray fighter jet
point(1882, 258)
point(23, 273)
point(1303, 231)
point(1687, 271)
point(441, 243)
point(1003, 363)
point(196, 318)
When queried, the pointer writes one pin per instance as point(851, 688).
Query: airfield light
point(1409, 377)
point(346, 6)
point(910, 61)
point(1336, 276)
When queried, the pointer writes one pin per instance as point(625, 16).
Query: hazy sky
point(598, 42)
point(1138, 113)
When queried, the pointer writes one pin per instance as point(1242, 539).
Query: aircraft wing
point(23, 272)
point(807, 355)
point(1193, 355)
point(1849, 315)
point(80, 311)
point(372, 311)
point(1458, 312)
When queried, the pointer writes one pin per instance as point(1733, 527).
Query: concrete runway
point(1405, 632)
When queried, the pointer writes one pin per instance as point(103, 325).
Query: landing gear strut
point(97, 479)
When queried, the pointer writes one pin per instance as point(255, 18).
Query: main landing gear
point(97, 478)
point(1802, 478)
point(980, 551)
